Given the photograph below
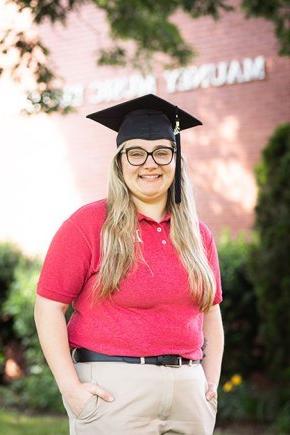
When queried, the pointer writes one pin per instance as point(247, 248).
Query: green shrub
point(10, 256)
point(270, 258)
point(270, 269)
point(242, 353)
point(20, 299)
point(256, 398)
point(246, 403)
point(36, 390)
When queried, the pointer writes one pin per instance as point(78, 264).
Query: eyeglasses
point(137, 156)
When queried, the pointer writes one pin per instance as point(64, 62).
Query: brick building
point(237, 85)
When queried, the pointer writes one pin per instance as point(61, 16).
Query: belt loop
point(190, 362)
point(142, 360)
point(73, 355)
point(180, 361)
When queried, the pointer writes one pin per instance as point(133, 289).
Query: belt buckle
point(173, 365)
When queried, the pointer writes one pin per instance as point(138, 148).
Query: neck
point(155, 209)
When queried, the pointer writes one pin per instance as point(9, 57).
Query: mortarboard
point(148, 117)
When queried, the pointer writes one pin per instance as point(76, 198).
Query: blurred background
point(225, 62)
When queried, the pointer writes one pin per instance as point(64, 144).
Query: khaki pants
point(149, 400)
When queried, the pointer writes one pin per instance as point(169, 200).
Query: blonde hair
point(120, 253)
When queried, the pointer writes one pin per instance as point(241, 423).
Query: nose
point(150, 163)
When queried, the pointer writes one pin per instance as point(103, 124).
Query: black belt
point(85, 355)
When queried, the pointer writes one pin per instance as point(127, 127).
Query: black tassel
point(178, 159)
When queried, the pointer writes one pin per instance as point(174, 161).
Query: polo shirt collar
point(141, 217)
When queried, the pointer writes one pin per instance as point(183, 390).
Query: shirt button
point(163, 242)
point(158, 229)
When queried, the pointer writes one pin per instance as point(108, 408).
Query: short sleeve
point(212, 256)
point(66, 264)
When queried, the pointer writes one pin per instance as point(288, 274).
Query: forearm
point(52, 333)
point(214, 346)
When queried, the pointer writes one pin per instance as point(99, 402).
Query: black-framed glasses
point(137, 156)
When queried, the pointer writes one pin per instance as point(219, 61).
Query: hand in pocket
point(78, 397)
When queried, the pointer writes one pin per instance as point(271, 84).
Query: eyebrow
point(155, 148)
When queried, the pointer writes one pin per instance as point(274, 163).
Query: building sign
point(177, 80)
point(126, 87)
point(213, 75)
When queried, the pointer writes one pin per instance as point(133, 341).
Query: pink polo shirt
point(151, 314)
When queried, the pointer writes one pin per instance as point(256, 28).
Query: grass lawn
point(14, 423)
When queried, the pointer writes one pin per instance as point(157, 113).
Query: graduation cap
point(148, 117)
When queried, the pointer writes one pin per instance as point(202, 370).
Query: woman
point(142, 274)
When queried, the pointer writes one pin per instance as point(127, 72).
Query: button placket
point(159, 229)
point(163, 241)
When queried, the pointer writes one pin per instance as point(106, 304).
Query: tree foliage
point(270, 258)
point(276, 11)
point(146, 22)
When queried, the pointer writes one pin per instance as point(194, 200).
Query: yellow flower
point(228, 386)
point(236, 379)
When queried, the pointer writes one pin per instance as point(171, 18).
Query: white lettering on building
point(72, 96)
point(222, 73)
point(177, 80)
point(117, 89)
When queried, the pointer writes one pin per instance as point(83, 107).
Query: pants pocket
point(214, 403)
point(90, 408)
point(88, 412)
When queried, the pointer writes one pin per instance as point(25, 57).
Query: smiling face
point(149, 182)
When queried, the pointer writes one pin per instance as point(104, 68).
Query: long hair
point(120, 253)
